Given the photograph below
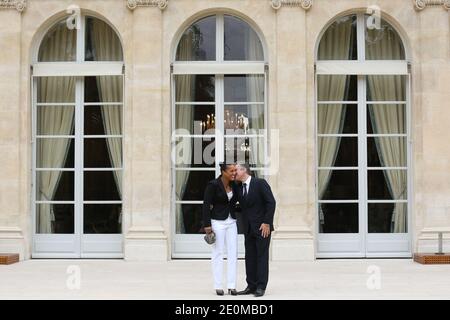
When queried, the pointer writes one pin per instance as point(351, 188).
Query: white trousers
point(226, 234)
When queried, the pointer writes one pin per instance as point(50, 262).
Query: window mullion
point(266, 144)
point(79, 131)
point(80, 40)
point(362, 159)
point(362, 139)
point(220, 38)
point(409, 146)
point(220, 144)
point(34, 148)
point(361, 37)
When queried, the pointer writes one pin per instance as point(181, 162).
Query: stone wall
point(290, 33)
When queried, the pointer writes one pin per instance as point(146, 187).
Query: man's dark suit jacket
point(258, 206)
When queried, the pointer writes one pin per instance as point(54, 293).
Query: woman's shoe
point(219, 292)
point(233, 292)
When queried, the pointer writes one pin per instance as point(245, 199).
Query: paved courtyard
point(191, 279)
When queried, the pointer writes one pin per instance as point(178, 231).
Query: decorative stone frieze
point(19, 5)
point(422, 4)
point(277, 4)
point(133, 4)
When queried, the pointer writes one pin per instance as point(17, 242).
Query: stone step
point(432, 258)
point(9, 258)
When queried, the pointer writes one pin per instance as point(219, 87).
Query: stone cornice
point(422, 4)
point(305, 4)
point(19, 5)
point(133, 4)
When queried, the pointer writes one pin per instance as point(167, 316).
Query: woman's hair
point(224, 166)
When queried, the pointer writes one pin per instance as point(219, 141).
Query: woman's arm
point(208, 204)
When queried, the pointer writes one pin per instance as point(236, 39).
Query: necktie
point(245, 190)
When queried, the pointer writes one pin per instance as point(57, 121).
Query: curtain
point(336, 44)
point(337, 41)
point(255, 93)
point(391, 151)
point(59, 44)
point(384, 44)
point(253, 47)
point(52, 152)
point(390, 119)
point(107, 47)
point(185, 116)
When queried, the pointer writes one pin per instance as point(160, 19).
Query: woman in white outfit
point(219, 216)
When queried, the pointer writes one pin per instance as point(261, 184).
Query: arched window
point(362, 139)
point(219, 111)
point(77, 133)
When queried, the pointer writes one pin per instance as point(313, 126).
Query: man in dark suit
point(258, 208)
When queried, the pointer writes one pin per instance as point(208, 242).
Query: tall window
point(219, 109)
point(362, 148)
point(78, 130)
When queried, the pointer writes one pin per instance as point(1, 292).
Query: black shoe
point(246, 291)
point(220, 292)
point(259, 292)
point(233, 292)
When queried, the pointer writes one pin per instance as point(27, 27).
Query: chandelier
point(231, 122)
point(237, 122)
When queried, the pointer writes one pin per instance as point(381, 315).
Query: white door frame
point(193, 245)
point(76, 245)
point(363, 244)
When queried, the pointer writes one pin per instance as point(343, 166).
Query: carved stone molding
point(133, 4)
point(305, 4)
point(422, 4)
point(19, 5)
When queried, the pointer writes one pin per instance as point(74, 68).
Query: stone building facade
point(290, 32)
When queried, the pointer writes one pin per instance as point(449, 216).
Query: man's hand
point(208, 229)
point(265, 230)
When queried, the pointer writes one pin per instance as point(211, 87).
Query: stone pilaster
point(145, 238)
point(435, 79)
point(11, 230)
point(293, 238)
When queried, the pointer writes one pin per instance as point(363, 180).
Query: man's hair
point(247, 168)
